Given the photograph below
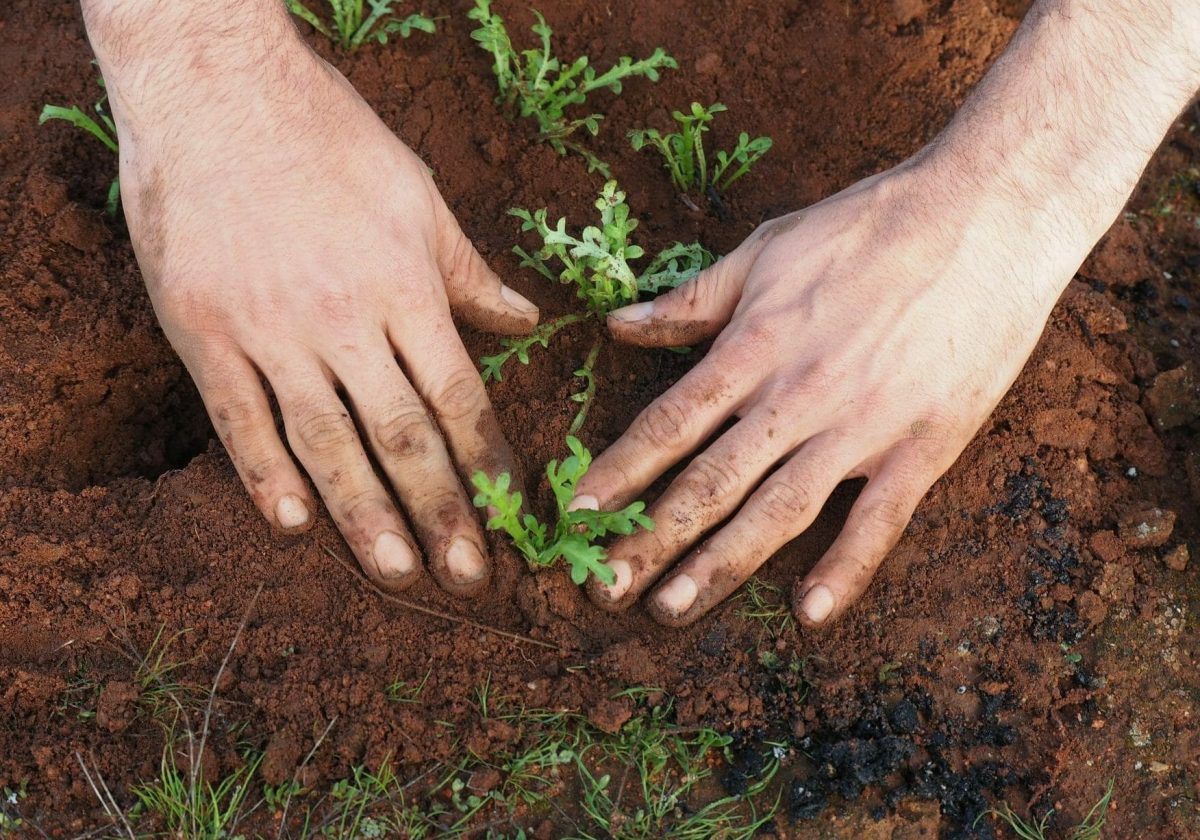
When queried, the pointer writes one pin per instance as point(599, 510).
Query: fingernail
point(464, 561)
point(634, 313)
point(291, 512)
point(517, 300)
point(624, 576)
point(817, 604)
point(678, 594)
point(584, 502)
point(393, 555)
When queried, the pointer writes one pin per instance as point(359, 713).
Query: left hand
point(869, 335)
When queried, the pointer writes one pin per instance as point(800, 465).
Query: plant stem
point(584, 397)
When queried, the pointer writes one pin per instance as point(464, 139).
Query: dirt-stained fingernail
point(623, 573)
point(291, 512)
point(393, 555)
point(633, 314)
point(517, 300)
point(465, 561)
point(817, 604)
point(677, 595)
point(584, 502)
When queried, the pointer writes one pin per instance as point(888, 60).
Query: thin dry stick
point(457, 619)
point(111, 808)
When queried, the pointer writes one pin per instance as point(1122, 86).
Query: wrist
point(161, 60)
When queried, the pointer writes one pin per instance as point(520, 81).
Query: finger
point(323, 437)
point(712, 487)
point(690, 313)
point(475, 292)
point(409, 448)
point(665, 432)
point(242, 417)
point(779, 511)
point(449, 382)
point(875, 524)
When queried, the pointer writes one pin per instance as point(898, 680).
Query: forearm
point(1058, 132)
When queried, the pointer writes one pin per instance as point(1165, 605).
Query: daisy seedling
point(576, 531)
point(105, 131)
point(685, 158)
point(597, 264)
point(353, 24)
point(536, 84)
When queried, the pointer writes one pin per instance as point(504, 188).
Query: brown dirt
point(118, 515)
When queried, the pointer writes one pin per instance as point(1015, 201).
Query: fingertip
point(612, 598)
point(394, 561)
point(516, 301)
point(292, 514)
point(672, 603)
point(464, 569)
point(814, 605)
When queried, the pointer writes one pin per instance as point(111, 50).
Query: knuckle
point(887, 516)
point(326, 432)
point(712, 480)
point(259, 467)
point(664, 423)
point(782, 502)
point(236, 415)
point(461, 396)
point(359, 508)
point(404, 433)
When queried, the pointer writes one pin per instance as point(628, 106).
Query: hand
point(869, 335)
point(287, 235)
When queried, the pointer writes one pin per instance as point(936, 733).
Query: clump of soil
point(1027, 640)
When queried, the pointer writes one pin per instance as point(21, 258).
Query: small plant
point(536, 84)
point(350, 28)
point(597, 264)
point(105, 131)
point(1089, 828)
point(402, 691)
point(686, 160)
point(574, 535)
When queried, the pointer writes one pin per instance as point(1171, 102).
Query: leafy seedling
point(686, 160)
point(537, 84)
point(105, 131)
point(597, 264)
point(576, 531)
point(353, 25)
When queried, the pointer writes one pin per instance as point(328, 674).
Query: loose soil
point(1032, 636)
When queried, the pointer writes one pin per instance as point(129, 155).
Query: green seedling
point(1090, 828)
point(687, 161)
point(105, 131)
point(576, 531)
point(597, 264)
point(537, 84)
point(353, 24)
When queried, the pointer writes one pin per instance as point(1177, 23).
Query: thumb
point(689, 313)
point(475, 292)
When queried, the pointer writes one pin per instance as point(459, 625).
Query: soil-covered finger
point(663, 434)
point(708, 490)
point(242, 418)
point(777, 512)
point(409, 448)
point(324, 438)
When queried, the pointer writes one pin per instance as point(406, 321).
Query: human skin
point(286, 235)
point(871, 334)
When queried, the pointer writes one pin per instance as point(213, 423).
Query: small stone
point(1173, 400)
point(1177, 558)
point(1107, 546)
point(484, 780)
point(1063, 428)
point(609, 715)
point(1147, 528)
point(709, 64)
point(1091, 608)
point(1116, 583)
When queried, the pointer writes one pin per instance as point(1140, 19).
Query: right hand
point(287, 235)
